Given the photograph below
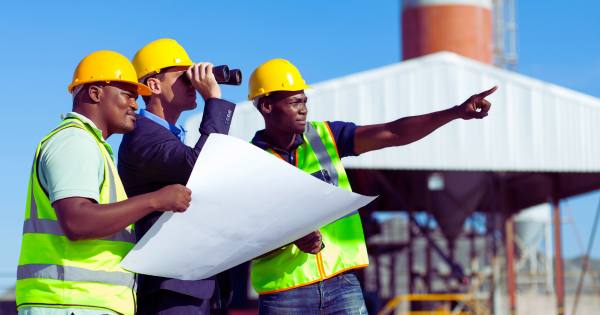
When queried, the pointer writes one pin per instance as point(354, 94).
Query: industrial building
point(456, 241)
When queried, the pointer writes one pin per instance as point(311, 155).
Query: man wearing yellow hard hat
point(154, 155)
point(78, 220)
point(315, 274)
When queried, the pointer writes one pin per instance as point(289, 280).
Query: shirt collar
point(258, 141)
point(97, 131)
point(178, 130)
point(88, 122)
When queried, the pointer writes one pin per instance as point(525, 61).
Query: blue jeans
point(338, 295)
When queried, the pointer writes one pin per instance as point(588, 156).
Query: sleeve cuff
point(349, 132)
point(63, 194)
point(217, 116)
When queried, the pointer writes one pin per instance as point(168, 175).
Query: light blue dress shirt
point(178, 130)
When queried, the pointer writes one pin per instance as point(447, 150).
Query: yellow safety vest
point(56, 272)
point(344, 240)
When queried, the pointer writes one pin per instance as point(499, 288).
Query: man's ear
point(95, 92)
point(154, 85)
point(265, 106)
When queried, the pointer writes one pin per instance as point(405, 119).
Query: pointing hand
point(468, 109)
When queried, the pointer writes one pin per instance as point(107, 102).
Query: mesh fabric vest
point(344, 240)
point(56, 272)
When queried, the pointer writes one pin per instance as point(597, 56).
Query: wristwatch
point(322, 246)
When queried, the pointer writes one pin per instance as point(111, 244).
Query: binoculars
point(223, 76)
point(228, 77)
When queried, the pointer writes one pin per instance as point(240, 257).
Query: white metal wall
point(533, 126)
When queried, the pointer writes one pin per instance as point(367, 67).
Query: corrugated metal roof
point(532, 126)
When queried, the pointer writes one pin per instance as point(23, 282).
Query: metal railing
point(395, 302)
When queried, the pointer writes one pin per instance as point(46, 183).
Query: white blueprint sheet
point(245, 202)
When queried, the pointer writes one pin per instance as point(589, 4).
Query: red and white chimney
point(460, 26)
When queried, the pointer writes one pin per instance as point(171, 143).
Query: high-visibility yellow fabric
point(344, 240)
point(55, 272)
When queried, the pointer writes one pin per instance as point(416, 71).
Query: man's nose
point(303, 109)
point(134, 104)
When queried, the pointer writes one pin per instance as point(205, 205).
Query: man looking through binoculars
point(153, 156)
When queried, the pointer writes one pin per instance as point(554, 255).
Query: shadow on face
point(174, 90)
point(117, 101)
point(285, 111)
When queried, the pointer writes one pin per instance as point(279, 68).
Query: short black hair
point(264, 99)
point(160, 76)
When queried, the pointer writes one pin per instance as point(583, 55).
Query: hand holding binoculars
point(223, 76)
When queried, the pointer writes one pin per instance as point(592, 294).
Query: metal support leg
point(558, 262)
point(510, 264)
point(548, 260)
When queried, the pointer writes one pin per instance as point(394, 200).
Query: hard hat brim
point(141, 88)
point(143, 74)
point(295, 88)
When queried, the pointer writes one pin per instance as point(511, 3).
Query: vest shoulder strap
point(320, 150)
point(71, 122)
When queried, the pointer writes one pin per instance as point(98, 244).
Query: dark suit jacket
point(152, 157)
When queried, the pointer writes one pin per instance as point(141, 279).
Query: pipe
point(548, 255)
point(510, 262)
point(558, 262)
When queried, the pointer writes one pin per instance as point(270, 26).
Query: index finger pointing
point(488, 92)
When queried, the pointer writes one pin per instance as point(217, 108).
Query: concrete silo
point(460, 26)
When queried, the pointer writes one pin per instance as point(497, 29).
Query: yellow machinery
point(395, 302)
point(477, 307)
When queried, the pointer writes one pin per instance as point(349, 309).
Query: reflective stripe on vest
point(321, 152)
point(323, 156)
point(70, 273)
point(45, 226)
point(56, 272)
point(345, 246)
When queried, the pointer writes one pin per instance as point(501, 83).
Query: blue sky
point(42, 41)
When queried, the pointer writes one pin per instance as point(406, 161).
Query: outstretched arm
point(410, 129)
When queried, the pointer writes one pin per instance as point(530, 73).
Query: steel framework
point(505, 33)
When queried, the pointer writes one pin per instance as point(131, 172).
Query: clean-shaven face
point(288, 111)
point(177, 91)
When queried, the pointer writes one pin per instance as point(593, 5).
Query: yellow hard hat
point(160, 54)
point(275, 75)
point(106, 66)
